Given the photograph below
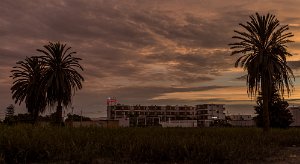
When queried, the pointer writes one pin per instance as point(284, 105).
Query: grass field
point(26, 143)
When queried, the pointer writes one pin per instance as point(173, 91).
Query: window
point(204, 112)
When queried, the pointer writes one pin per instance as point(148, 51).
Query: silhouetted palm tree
point(28, 85)
point(61, 76)
point(263, 49)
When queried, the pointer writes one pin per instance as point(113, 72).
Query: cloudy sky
point(143, 52)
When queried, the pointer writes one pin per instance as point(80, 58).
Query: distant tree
point(76, 117)
point(10, 110)
point(280, 116)
point(263, 50)
point(61, 75)
point(28, 85)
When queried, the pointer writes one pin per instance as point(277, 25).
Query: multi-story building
point(139, 115)
point(208, 113)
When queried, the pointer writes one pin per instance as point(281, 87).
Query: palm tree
point(28, 85)
point(61, 77)
point(263, 54)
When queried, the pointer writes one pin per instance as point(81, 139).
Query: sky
point(158, 52)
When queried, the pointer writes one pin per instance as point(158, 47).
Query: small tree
point(280, 116)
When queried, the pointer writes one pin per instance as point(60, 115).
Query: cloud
point(241, 78)
point(294, 64)
point(149, 92)
point(131, 49)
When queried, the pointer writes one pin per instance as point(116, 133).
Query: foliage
point(33, 144)
point(264, 51)
point(51, 78)
point(20, 118)
point(28, 85)
point(76, 117)
point(280, 116)
point(61, 75)
point(27, 118)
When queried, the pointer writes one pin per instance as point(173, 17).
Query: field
point(26, 144)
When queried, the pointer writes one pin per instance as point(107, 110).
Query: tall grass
point(26, 143)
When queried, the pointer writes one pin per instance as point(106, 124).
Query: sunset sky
point(143, 52)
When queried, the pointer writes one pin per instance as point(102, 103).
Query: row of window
point(153, 113)
point(152, 108)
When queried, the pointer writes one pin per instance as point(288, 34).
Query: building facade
point(208, 113)
point(295, 110)
point(241, 120)
point(139, 115)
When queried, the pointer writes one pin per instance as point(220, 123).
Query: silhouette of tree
point(75, 117)
point(61, 76)
point(263, 49)
point(280, 116)
point(28, 86)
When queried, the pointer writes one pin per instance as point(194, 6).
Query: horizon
point(149, 53)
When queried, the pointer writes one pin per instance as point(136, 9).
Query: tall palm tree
point(61, 77)
point(28, 85)
point(263, 54)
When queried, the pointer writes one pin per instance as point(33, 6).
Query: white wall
point(123, 122)
point(296, 115)
point(180, 123)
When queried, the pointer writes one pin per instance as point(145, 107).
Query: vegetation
point(28, 85)
point(27, 118)
point(280, 116)
point(47, 79)
point(26, 144)
point(75, 117)
point(264, 51)
point(60, 75)
point(20, 118)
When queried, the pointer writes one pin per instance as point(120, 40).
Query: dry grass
point(26, 143)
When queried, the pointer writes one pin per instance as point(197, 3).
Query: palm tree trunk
point(35, 117)
point(59, 113)
point(265, 95)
